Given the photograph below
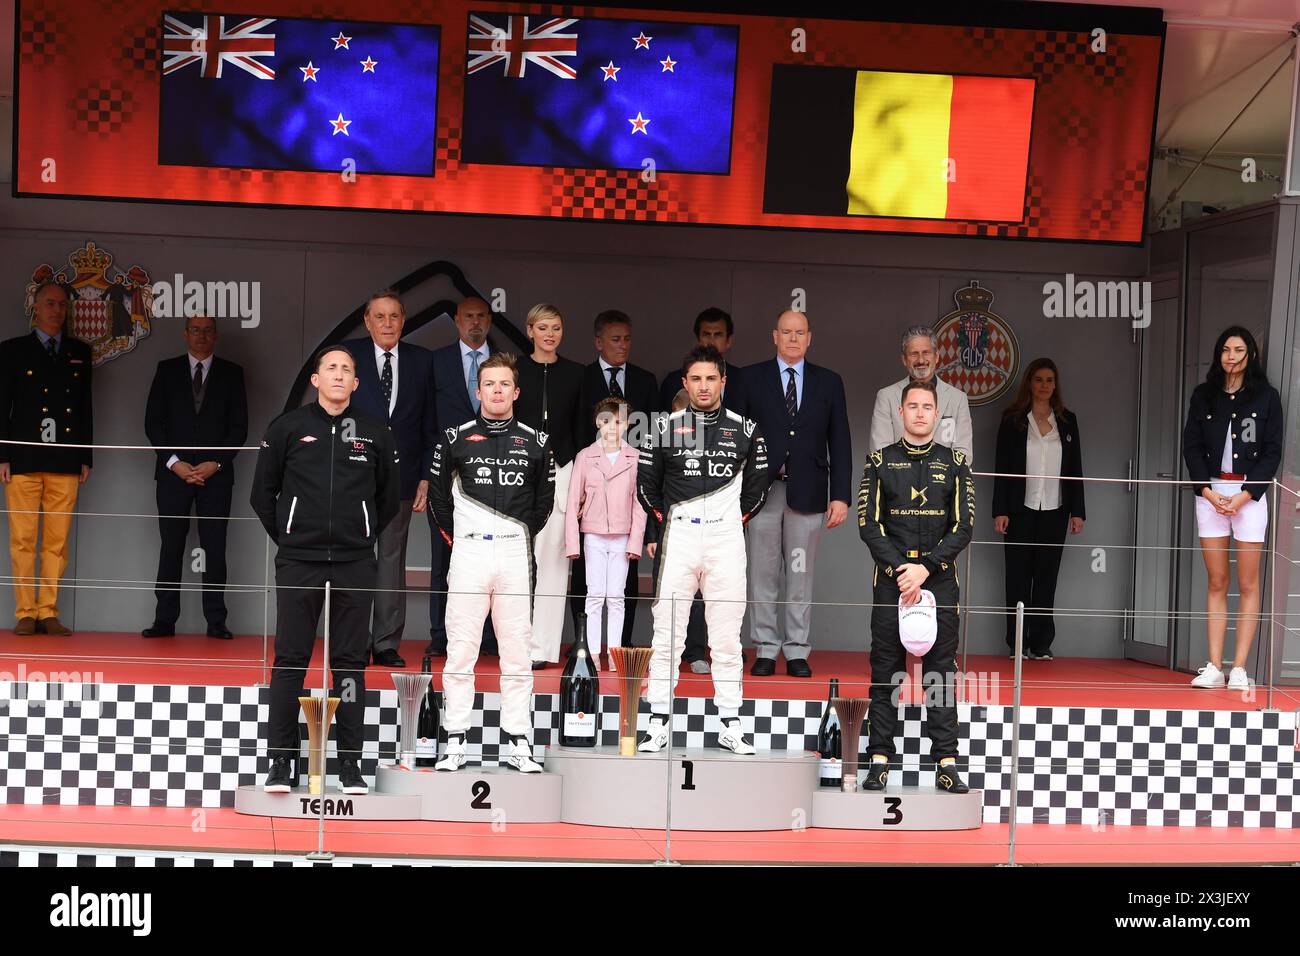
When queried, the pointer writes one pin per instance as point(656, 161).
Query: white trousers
point(708, 557)
point(606, 558)
point(489, 576)
point(552, 576)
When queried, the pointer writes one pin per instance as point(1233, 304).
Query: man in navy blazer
point(455, 374)
point(395, 385)
point(802, 412)
point(197, 405)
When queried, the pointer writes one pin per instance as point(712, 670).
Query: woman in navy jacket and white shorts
point(1232, 444)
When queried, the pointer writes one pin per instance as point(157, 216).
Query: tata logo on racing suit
point(484, 472)
point(509, 478)
point(692, 465)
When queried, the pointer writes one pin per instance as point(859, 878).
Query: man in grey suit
point(801, 410)
point(921, 359)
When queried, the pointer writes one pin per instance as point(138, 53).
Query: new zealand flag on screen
point(602, 94)
point(271, 93)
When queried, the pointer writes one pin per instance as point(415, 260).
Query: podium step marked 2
point(476, 794)
point(711, 789)
point(898, 808)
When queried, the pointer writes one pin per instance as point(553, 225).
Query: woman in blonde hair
point(549, 386)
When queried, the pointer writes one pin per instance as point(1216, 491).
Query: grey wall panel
point(316, 266)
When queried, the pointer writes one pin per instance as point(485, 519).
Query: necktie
point(198, 385)
point(472, 382)
point(791, 395)
point(615, 389)
point(52, 346)
point(386, 380)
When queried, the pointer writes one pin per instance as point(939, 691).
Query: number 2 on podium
point(481, 790)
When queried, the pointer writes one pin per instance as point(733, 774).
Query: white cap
point(918, 624)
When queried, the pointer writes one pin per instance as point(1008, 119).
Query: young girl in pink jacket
point(603, 506)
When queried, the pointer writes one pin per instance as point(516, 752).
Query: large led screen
point(1024, 121)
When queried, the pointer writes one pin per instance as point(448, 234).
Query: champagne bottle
point(829, 741)
point(579, 693)
point(426, 725)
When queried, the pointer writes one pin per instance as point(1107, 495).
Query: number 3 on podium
point(893, 811)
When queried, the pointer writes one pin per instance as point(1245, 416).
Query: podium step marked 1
point(711, 789)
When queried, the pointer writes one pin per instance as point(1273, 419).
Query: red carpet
point(195, 659)
point(1037, 844)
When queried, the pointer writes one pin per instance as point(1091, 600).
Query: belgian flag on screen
point(912, 145)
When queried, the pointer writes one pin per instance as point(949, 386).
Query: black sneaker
point(280, 779)
point(949, 780)
point(877, 776)
point(350, 779)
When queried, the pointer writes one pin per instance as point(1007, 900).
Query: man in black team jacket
point(327, 482)
point(916, 511)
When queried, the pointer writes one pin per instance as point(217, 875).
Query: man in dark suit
point(802, 411)
point(395, 385)
point(44, 398)
point(613, 374)
point(197, 405)
point(713, 327)
point(455, 373)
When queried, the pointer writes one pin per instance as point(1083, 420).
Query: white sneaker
point(730, 738)
point(520, 756)
point(1208, 676)
point(454, 755)
point(1237, 679)
point(655, 737)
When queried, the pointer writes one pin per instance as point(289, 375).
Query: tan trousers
point(26, 497)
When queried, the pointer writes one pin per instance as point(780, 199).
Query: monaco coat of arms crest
point(110, 310)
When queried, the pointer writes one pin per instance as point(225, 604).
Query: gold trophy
point(851, 710)
point(318, 736)
point(632, 664)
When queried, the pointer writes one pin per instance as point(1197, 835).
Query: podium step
point(898, 808)
point(711, 789)
point(336, 804)
point(476, 794)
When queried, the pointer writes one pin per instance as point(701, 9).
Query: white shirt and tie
point(206, 365)
point(608, 371)
point(1043, 457)
point(470, 360)
point(380, 358)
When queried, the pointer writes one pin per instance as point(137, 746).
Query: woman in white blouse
point(1039, 439)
